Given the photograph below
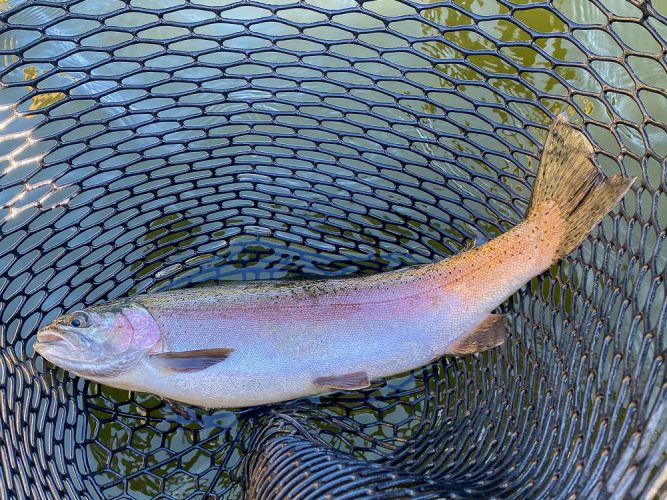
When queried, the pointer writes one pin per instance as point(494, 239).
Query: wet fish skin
point(252, 343)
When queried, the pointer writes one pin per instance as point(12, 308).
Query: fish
point(245, 344)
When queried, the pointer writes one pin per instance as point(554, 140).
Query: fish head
point(100, 341)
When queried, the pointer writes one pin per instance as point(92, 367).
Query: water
point(218, 155)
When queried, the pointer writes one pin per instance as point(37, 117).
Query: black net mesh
point(155, 144)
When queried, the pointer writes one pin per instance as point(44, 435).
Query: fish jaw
point(56, 346)
point(48, 336)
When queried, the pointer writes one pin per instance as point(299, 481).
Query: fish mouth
point(47, 338)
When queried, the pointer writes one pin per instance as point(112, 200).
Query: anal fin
point(489, 333)
point(347, 381)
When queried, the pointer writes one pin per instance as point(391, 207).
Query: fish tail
point(569, 182)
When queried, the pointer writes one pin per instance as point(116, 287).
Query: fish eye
point(79, 319)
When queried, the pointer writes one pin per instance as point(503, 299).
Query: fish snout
point(54, 342)
point(48, 336)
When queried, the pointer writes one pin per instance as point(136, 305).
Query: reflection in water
point(42, 100)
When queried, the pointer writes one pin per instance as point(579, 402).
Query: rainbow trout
point(253, 343)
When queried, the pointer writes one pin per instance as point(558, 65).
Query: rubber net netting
point(148, 145)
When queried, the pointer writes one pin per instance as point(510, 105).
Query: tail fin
point(569, 179)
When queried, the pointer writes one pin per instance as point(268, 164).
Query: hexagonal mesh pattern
point(149, 144)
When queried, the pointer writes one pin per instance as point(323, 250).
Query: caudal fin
point(569, 181)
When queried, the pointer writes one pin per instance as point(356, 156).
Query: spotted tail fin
point(569, 181)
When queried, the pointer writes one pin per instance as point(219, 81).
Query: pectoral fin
point(347, 381)
point(191, 361)
point(183, 411)
point(490, 333)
